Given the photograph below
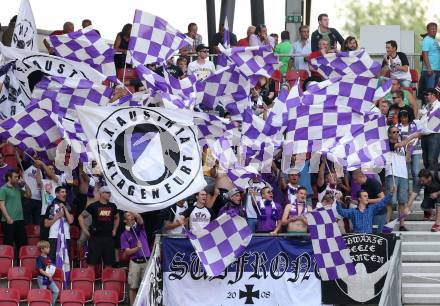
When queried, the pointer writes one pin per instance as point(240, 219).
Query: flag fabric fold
point(25, 32)
point(221, 242)
point(331, 254)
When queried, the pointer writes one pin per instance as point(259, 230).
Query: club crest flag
point(25, 32)
point(150, 156)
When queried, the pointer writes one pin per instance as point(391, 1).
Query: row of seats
point(20, 278)
point(43, 297)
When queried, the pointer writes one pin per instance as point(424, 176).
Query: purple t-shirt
point(129, 241)
point(267, 221)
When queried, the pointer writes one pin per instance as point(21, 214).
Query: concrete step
point(418, 288)
point(420, 277)
point(421, 299)
point(420, 256)
point(421, 267)
point(419, 226)
point(417, 236)
point(414, 216)
point(425, 246)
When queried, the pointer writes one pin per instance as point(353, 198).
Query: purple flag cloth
point(352, 63)
point(434, 120)
point(62, 254)
point(221, 242)
point(331, 254)
point(154, 40)
point(86, 45)
point(389, 227)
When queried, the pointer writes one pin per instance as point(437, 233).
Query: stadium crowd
point(99, 234)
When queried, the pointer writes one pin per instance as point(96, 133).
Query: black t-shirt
point(103, 218)
point(372, 187)
point(175, 71)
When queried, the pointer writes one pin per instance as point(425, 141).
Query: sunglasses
point(428, 94)
point(394, 98)
point(204, 51)
point(395, 132)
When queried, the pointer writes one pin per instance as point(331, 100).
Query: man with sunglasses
point(396, 175)
point(201, 67)
point(399, 105)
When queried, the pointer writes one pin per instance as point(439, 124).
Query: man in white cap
point(233, 205)
point(105, 222)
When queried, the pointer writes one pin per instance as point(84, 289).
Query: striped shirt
point(363, 220)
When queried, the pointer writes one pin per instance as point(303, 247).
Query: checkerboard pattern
point(221, 242)
point(331, 254)
point(434, 121)
point(36, 128)
point(154, 40)
point(353, 63)
point(86, 45)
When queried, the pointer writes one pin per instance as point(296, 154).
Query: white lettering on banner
point(146, 156)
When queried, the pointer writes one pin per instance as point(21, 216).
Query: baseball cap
point(201, 47)
point(104, 189)
point(232, 192)
point(430, 91)
point(293, 171)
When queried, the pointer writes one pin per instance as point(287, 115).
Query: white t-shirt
point(29, 177)
point(55, 228)
point(202, 71)
point(398, 164)
point(179, 210)
point(250, 209)
point(399, 60)
point(199, 218)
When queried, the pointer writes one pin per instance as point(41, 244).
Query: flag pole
point(138, 240)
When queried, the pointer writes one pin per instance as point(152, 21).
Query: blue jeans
point(431, 152)
point(52, 286)
point(415, 169)
point(379, 220)
point(431, 80)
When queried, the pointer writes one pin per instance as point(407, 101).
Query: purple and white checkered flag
point(69, 92)
point(181, 87)
point(62, 254)
point(389, 227)
point(136, 99)
point(154, 40)
point(359, 92)
point(36, 128)
point(331, 254)
point(153, 81)
point(86, 45)
point(353, 63)
point(316, 128)
point(367, 145)
point(434, 120)
point(253, 61)
point(221, 242)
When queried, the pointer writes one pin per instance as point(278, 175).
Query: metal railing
point(392, 289)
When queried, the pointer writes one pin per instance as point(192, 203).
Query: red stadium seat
point(33, 233)
point(130, 74)
point(114, 279)
point(39, 297)
point(277, 78)
point(124, 260)
point(75, 233)
point(72, 298)
point(9, 297)
point(105, 298)
point(28, 255)
point(414, 80)
point(6, 259)
point(296, 75)
point(20, 278)
point(84, 279)
point(58, 278)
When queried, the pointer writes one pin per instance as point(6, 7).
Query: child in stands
point(46, 270)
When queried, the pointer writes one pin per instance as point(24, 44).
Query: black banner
point(372, 256)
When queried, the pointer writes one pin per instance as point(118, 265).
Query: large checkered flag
point(86, 45)
point(352, 63)
point(331, 253)
point(221, 242)
point(154, 40)
point(434, 120)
